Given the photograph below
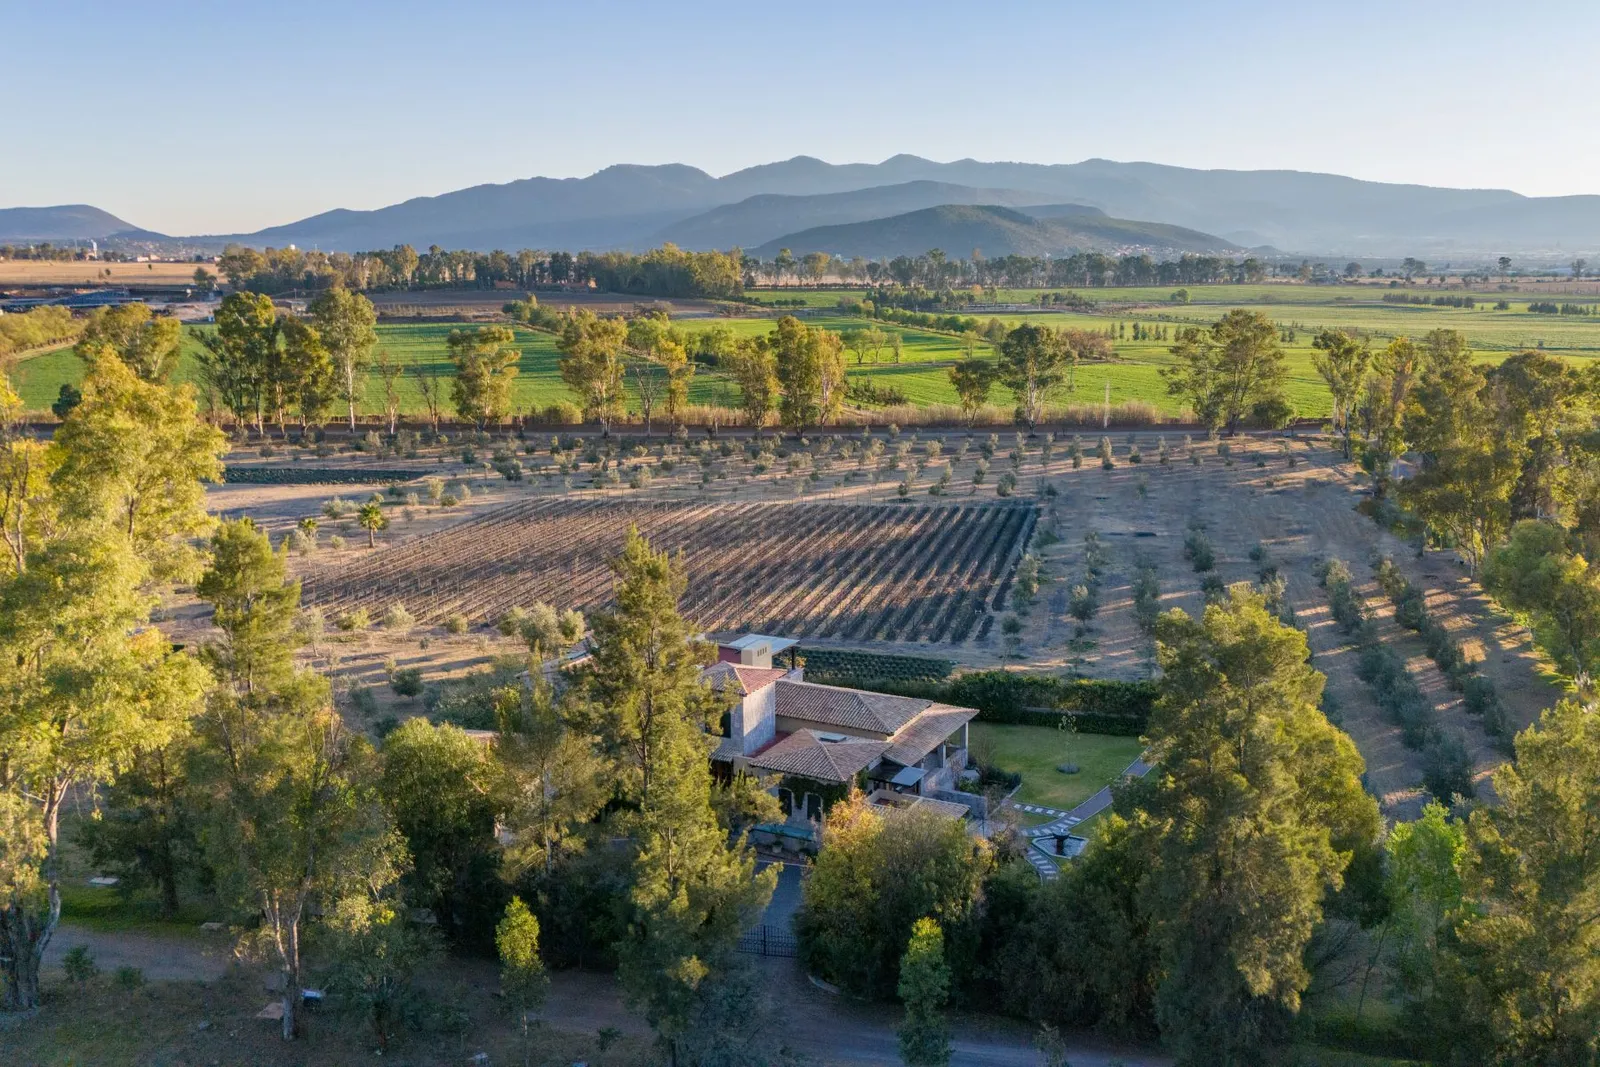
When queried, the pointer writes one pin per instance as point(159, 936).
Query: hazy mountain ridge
point(635, 206)
point(64, 222)
point(995, 231)
point(766, 216)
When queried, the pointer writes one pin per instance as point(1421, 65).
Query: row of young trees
point(936, 270)
point(1501, 464)
point(1224, 879)
point(20, 331)
point(664, 271)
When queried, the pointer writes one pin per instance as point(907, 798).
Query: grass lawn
point(1036, 751)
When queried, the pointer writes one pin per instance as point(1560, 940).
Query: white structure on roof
point(755, 650)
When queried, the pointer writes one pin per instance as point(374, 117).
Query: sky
point(228, 117)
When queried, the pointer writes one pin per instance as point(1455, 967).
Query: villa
point(821, 740)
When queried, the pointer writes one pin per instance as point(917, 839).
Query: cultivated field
point(24, 272)
point(855, 573)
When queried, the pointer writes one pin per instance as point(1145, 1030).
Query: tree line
point(667, 271)
point(36, 328)
point(937, 271)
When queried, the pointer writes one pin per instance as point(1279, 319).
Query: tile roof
point(736, 678)
point(852, 708)
point(805, 754)
point(927, 732)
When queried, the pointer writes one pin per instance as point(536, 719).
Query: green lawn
point(1036, 751)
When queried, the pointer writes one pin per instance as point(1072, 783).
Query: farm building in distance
point(905, 752)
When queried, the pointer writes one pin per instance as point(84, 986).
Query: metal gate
point(769, 941)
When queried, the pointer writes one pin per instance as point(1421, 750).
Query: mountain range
point(777, 204)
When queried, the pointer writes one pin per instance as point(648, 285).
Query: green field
point(38, 380)
point(1035, 751)
point(926, 355)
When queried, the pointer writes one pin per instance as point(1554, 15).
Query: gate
point(769, 941)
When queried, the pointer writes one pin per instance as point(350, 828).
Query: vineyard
point(925, 573)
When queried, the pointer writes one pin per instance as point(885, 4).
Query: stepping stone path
point(1063, 821)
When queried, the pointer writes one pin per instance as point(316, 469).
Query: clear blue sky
point(226, 117)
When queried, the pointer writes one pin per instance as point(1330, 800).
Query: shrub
point(1083, 603)
point(1198, 551)
point(129, 978)
point(406, 682)
point(79, 964)
point(356, 620)
point(1146, 596)
point(396, 617)
point(1446, 767)
point(456, 624)
point(363, 701)
point(511, 623)
point(1006, 485)
point(1348, 608)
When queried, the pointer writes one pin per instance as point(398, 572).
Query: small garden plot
point(1035, 752)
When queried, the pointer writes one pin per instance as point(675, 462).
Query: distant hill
point(758, 219)
point(68, 222)
point(635, 207)
point(995, 231)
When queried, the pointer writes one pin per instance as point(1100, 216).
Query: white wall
point(756, 719)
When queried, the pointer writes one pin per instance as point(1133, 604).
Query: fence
point(769, 941)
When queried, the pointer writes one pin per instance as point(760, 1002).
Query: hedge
point(1092, 705)
point(316, 475)
point(848, 666)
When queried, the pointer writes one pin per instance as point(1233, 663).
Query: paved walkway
point(1066, 820)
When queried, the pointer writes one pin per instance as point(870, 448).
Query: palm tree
point(372, 519)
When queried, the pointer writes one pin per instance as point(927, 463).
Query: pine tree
point(692, 892)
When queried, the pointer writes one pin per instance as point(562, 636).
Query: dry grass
point(75, 272)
